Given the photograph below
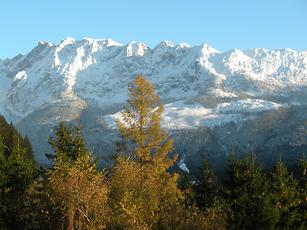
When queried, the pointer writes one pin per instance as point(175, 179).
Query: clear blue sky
point(223, 24)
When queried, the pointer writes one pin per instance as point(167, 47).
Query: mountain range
point(251, 100)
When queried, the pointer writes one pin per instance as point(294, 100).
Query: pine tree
point(3, 179)
point(37, 212)
point(17, 169)
point(27, 145)
point(207, 187)
point(303, 171)
point(62, 143)
point(303, 193)
point(285, 196)
point(67, 144)
point(251, 201)
point(16, 174)
point(11, 138)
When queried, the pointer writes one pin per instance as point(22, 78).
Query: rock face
point(222, 99)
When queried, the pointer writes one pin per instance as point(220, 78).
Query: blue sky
point(223, 24)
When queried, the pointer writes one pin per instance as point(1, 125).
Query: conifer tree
point(27, 145)
point(16, 174)
point(37, 212)
point(303, 171)
point(82, 193)
point(62, 143)
point(11, 138)
point(143, 198)
point(143, 193)
point(75, 185)
point(251, 201)
point(207, 187)
point(140, 125)
point(303, 193)
point(3, 179)
point(285, 193)
point(66, 143)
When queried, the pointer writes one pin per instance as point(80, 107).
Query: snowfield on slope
point(181, 115)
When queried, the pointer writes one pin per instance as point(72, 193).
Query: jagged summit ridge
point(97, 71)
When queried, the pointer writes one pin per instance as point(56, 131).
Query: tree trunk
point(71, 216)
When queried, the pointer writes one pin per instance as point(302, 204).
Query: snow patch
point(22, 75)
point(222, 94)
point(180, 115)
point(184, 46)
point(183, 166)
point(136, 49)
point(246, 106)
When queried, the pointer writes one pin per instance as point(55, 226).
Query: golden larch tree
point(140, 125)
point(144, 195)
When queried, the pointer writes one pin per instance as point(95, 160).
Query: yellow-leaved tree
point(76, 187)
point(140, 125)
point(144, 195)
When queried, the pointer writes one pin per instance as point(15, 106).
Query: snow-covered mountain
point(200, 86)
